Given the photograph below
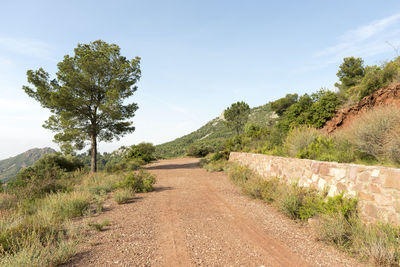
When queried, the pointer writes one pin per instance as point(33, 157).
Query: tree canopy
point(350, 73)
point(237, 115)
point(87, 96)
point(282, 104)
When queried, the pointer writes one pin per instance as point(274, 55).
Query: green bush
point(141, 181)
point(324, 108)
point(142, 151)
point(282, 104)
point(336, 229)
point(122, 196)
point(239, 175)
point(49, 174)
point(198, 151)
point(123, 165)
point(334, 148)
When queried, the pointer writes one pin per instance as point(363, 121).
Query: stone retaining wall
point(377, 188)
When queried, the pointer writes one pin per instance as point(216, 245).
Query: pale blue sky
point(198, 57)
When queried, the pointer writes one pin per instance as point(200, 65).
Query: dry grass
point(376, 133)
point(122, 196)
point(299, 139)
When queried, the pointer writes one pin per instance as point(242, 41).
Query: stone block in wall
point(392, 179)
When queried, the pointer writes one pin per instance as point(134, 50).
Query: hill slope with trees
point(212, 134)
point(11, 166)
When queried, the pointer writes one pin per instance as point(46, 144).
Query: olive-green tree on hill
point(87, 96)
point(237, 115)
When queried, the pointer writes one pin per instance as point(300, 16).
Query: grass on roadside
point(36, 230)
point(122, 196)
point(337, 219)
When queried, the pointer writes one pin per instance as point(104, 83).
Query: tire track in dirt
point(172, 245)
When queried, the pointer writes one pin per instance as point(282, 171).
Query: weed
point(122, 196)
point(100, 226)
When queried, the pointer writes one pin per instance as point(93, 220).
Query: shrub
point(391, 146)
point(122, 196)
point(255, 131)
point(380, 242)
point(239, 175)
point(373, 132)
point(141, 181)
point(335, 229)
point(324, 108)
point(282, 104)
point(47, 175)
point(65, 163)
point(37, 254)
point(198, 151)
point(299, 139)
point(124, 165)
point(329, 149)
point(32, 182)
point(142, 151)
point(62, 206)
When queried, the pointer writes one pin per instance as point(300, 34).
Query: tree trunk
point(93, 165)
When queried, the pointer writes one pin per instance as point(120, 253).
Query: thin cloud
point(364, 41)
point(27, 47)
point(5, 62)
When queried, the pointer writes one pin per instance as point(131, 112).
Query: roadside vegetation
point(39, 207)
point(334, 219)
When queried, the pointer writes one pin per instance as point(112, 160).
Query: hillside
point(384, 96)
point(212, 134)
point(9, 167)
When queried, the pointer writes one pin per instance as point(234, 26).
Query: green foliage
point(122, 196)
point(86, 98)
point(323, 109)
point(299, 139)
point(142, 151)
point(47, 175)
point(140, 181)
point(11, 166)
point(350, 73)
point(124, 165)
point(329, 149)
point(282, 104)
point(60, 206)
point(299, 203)
point(237, 115)
point(255, 131)
point(297, 114)
point(215, 162)
point(198, 151)
point(312, 110)
point(100, 226)
point(359, 82)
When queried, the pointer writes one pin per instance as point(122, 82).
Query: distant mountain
point(11, 166)
point(213, 133)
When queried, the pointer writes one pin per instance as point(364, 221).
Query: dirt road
point(196, 218)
